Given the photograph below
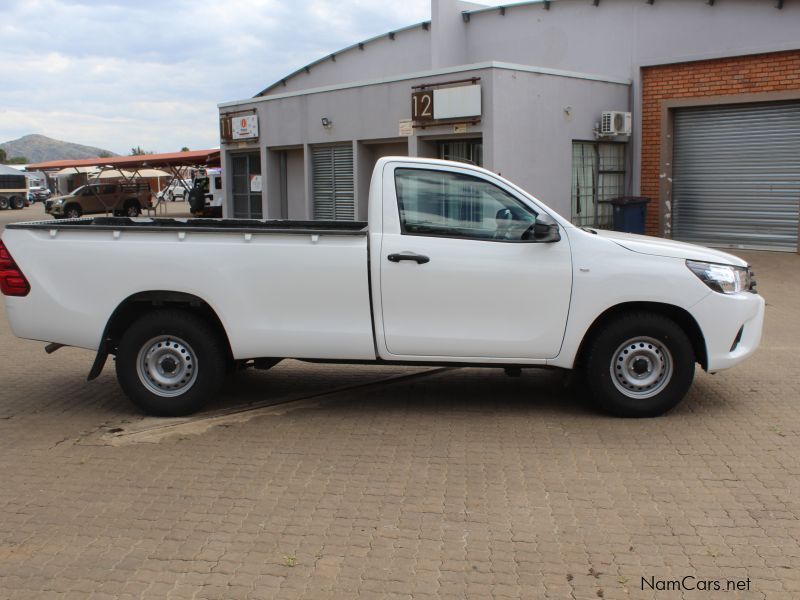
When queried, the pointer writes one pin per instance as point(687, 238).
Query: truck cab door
point(92, 199)
point(458, 278)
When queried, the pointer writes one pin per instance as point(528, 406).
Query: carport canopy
point(190, 158)
point(137, 164)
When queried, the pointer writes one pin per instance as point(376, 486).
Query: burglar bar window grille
point(598, 173)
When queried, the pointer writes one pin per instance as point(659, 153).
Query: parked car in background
point(39, 194)
point(120, 199)
point(13, 191)
point(456, 266)
point(176, 190)
point(210, 182)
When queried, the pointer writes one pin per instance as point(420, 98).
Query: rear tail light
point(12, 281)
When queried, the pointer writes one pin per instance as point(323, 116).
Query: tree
point(17, 160)
point(137, 151)
point(104, 154)
point(185, 149)
point(3, 156)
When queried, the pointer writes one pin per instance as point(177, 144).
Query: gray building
point(540, 92)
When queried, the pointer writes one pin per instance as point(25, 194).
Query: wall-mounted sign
point(406, 128)
point(244, 127)
point(443, 103)
point(422, 106)
point(457, 102)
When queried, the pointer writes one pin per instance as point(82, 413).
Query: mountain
point(39, 148)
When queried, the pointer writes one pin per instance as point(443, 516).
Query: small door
point(457, 277)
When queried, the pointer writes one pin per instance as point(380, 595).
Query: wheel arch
point(677, 314)
point(140, 303)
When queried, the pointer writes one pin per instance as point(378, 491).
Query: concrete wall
point(295, 184)
point(618, 36)
point(536, 118)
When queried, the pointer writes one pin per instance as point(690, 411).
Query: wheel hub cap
point(641, 367)
point(167, 366)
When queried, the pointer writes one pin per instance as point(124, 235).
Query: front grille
point(48, 204)
point(753, 283)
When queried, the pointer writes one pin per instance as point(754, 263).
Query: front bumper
point(54, 209)
point(721, 317)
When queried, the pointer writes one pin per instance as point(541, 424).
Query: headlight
point(59, 202)
point(725, 279)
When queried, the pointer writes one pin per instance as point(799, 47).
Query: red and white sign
point(243, 128)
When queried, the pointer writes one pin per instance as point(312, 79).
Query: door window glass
point(441, 203)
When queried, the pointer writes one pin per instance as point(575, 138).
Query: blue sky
point(118, 74)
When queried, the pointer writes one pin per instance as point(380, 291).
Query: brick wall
point(774, 72)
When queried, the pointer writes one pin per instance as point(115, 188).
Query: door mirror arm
point(543, 230)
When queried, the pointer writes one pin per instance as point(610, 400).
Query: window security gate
point(246, 179)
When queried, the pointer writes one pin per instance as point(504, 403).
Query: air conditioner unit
point(615, 122)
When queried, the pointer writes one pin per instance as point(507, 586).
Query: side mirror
point(544, 231)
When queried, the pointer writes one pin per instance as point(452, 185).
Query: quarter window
point(441, 203)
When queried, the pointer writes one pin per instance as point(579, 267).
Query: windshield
point(77, 191)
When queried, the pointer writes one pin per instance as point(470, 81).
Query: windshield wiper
point(590, 230)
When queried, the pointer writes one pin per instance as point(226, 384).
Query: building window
point(468, 151)
point(334, 198)
point(246, 179)
point(598, 174)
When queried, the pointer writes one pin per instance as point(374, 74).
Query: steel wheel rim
point(641, 367)
point(167, 366)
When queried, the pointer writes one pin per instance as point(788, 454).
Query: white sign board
point(406, 127)
point(456, 102)
point(255, 183)
point(244, 127)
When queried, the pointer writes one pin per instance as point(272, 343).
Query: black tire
point(132, 209)
point(653, 362)
point(205, 352)
point(17, 202)
point(72, 211)
point(4, 204)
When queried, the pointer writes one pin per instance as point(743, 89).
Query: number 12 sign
point(422, 106)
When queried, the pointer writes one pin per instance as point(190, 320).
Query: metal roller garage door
point(334, 199)
point(736, 175)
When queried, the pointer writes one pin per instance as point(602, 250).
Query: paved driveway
point(336, 482)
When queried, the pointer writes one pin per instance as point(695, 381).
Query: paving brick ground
point(460, 484)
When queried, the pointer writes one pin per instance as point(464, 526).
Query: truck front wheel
point(170, 363)
point(640, 365)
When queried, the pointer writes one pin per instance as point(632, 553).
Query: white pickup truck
point(456, 266)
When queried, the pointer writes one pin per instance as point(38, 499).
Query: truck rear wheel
point(170, 363)
point(3, 202)
point(640, 365)
point(17, 202)
point(132, 209)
